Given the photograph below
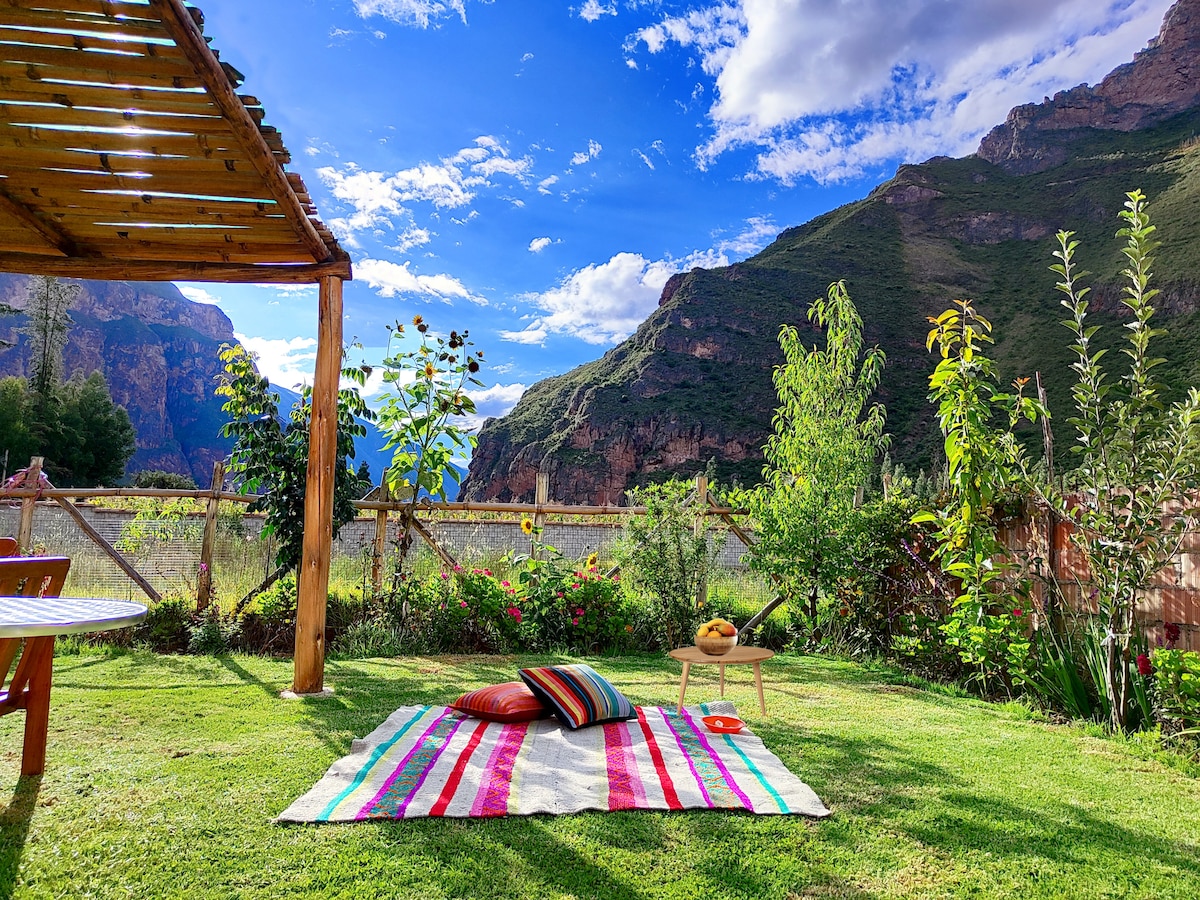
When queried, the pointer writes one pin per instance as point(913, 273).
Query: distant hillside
point(158, 353)
point(694, 382)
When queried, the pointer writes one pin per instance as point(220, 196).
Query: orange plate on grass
point(723, 724)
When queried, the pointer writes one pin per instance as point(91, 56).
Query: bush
point(1177, 687)
point(157, 478)
point(166, 628)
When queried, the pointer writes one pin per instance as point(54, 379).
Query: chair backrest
point(33, 576)
point(8, 546)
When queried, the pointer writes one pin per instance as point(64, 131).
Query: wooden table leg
point(762, 704)
point(687, 667)
point(722, 668)
point(40, 651)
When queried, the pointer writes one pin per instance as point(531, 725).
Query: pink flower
point(579, 612)
point(462, 602)
point(574, 621)
point(504, 584)
point(559, 594)
point(445, 577)
point(457, 568)
point(1018, 612)
point(1143, 664)
point(515, 613)
point(487, 572)
point(575, 586)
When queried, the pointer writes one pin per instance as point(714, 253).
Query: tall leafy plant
point(1139, 459)
point(983, 457)
point(424, 415)
point(819, 456)
point(270, 453)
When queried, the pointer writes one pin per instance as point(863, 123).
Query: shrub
point(1177, 687)
point(166, 626)
point(157, 478)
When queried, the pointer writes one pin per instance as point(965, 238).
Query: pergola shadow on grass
point(932, 794)
point(127, 153)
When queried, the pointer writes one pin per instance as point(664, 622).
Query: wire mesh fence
point(165, 549)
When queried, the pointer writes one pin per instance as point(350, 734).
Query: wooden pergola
point(126, 153)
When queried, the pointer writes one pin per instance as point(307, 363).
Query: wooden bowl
point(716, 646)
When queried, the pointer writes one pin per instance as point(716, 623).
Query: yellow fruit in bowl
point(728, 629)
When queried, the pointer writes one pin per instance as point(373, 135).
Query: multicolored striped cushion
point(579, 695)
point(508, 702)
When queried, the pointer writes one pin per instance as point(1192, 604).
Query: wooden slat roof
point(127, 153)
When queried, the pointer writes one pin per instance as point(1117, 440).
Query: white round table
point(36, 621)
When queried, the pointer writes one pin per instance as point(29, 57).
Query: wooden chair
point(29, 688)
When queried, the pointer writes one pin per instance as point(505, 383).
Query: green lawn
point(164, 772)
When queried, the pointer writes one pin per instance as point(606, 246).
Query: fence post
point(25, 526)
point(701, 531)
point(541, 497)
point(204, 581)
point(381, 520)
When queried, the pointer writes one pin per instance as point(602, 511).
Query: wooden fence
point(1043, 545)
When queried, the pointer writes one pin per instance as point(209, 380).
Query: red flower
point(1172, 632)
point(1018, 612)
point(1143, 664)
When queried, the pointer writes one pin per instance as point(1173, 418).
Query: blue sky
point(534, 170)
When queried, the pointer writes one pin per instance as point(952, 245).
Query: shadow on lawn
point(878, 785)
point(14, 829)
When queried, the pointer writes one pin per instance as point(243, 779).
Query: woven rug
point(434, 761)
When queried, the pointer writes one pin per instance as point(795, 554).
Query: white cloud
point(594, 9)
point(644, 158)
point(286, 362)
point(591, 153)
point(377, 200)
point(199, 295)
point(759, 231)
point(389, 279)
point(412, 237)
point(828, 90)
point(420, 13)
point(527, 57)
point(545, 184)
point(494, 401)
point(604, 303)
point(537, 245)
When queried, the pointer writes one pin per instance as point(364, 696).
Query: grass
point(164, 772)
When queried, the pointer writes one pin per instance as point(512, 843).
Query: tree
point(421, 415)
point(270, 454)
point(983, 460)
point(820, 454)
point(85, 437)
point(47, 329)
point(94, 438)
point(1139, 459)
point(157, 478)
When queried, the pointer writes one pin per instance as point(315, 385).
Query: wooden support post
point(25, 526)
point(98, 539)
point(701, 530)
point(204, 582)
point(381, 520)
point(309, 662)
point(541, 496)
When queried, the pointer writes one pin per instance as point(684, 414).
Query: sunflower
point(592, 560)
point(527, 525)
point(429, 370)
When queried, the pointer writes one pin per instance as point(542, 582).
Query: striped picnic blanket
point(434, 761)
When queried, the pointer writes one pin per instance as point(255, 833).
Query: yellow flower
point(417, 319)
point(527, 525)
point(429, 370)
point(592, 560)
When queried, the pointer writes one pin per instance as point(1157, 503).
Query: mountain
point(158, 352)
point(693, 384)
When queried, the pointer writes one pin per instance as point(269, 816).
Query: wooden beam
point(174, 270)
point(309, 660)
point(53, 237)
point(190, 39)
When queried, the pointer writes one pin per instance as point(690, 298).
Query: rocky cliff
point(158, 353)
point(693, 384)
point(1160, 83)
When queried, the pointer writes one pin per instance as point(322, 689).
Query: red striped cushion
point(508, 702)
point(579, 695)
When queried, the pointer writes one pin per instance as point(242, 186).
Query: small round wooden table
point(738, 656)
